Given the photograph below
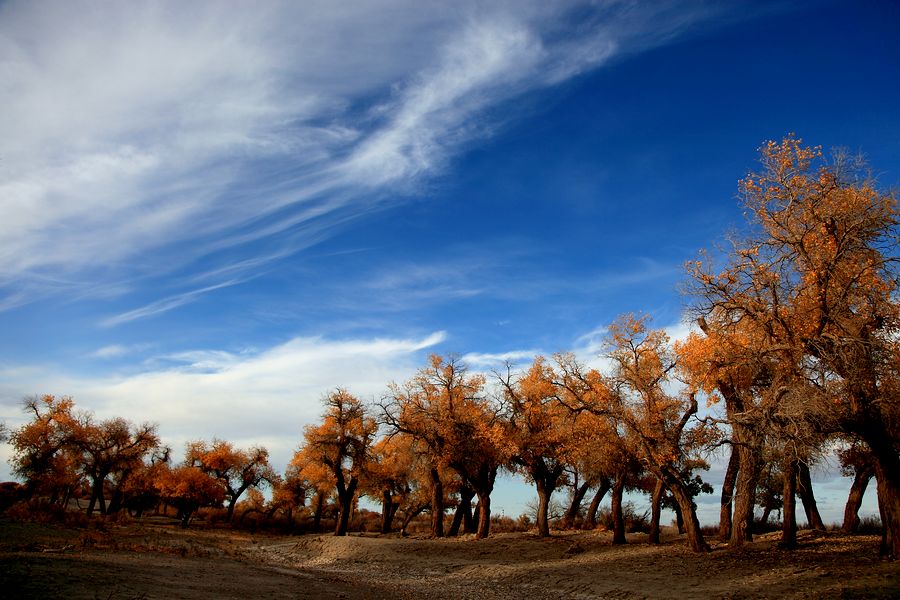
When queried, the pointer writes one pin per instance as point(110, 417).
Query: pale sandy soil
point(154, 560)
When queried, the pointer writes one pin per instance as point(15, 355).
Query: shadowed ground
point(158, 560)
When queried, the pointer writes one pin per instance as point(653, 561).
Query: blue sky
point(212, 213)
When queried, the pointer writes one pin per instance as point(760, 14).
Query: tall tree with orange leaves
point(107, 448)
point(656, 421)
point(237, 469)
point(815, 284)
point(540, 430)
point(342, 444)
point(43, 455)
point(446, 409)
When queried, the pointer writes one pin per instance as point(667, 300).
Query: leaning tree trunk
point(574, 506)
point(688, 512)
point(887, 474)
point(861, 480)
point(789, 516)
point(590, 519)
point(805, 490)
point(766, 513)
point(731, 474)
point(437, 504)
point(229, 510)
point(409, 516)
point(655, 511)
point(618, 491)
point(679, 519)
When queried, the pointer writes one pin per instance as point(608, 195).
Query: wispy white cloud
point(487, 359)
point(172, 131)
point(476, 69)
point(166, 304)
point(246, 397)
point(113, 351)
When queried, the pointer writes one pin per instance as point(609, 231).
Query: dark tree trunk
point(748, 440)
point(387, 510)
point(345, 506)
point(655, 511)
point(679, 518)
point(408, 517)
point(97, 497)
point(805, 490)
point(437, 504)
point(887, 475)
point(572, 512)
point(728, 485)
point(854, 500)
point(745, 490)
point(543, 521)
point(789, 516)
point(116, 501)
point(470, 519)
point(687, 510)
point(229, 509)
point(889, 509)
point(463, 514)
point(483, 483)
point(484, 515)
point(546, 479)
point(457, 520)
point(618, 491)
point(320, 508)
point(92, 503)
point(767, 512)
point(590, 519)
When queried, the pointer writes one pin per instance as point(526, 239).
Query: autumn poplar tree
point(635, 396)
point(237, 469)
point(188, 488)
point(342, 444)
point(540, 432)
point(816, 282)
point(392, 476)
point(42, 452)
point(446, 409)
point(110, 447)
point(316, 479)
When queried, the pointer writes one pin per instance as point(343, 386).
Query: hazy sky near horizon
point(211, 213)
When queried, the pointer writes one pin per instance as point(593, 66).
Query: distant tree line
point(796, 340)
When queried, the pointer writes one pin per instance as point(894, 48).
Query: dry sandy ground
point(155, 560)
